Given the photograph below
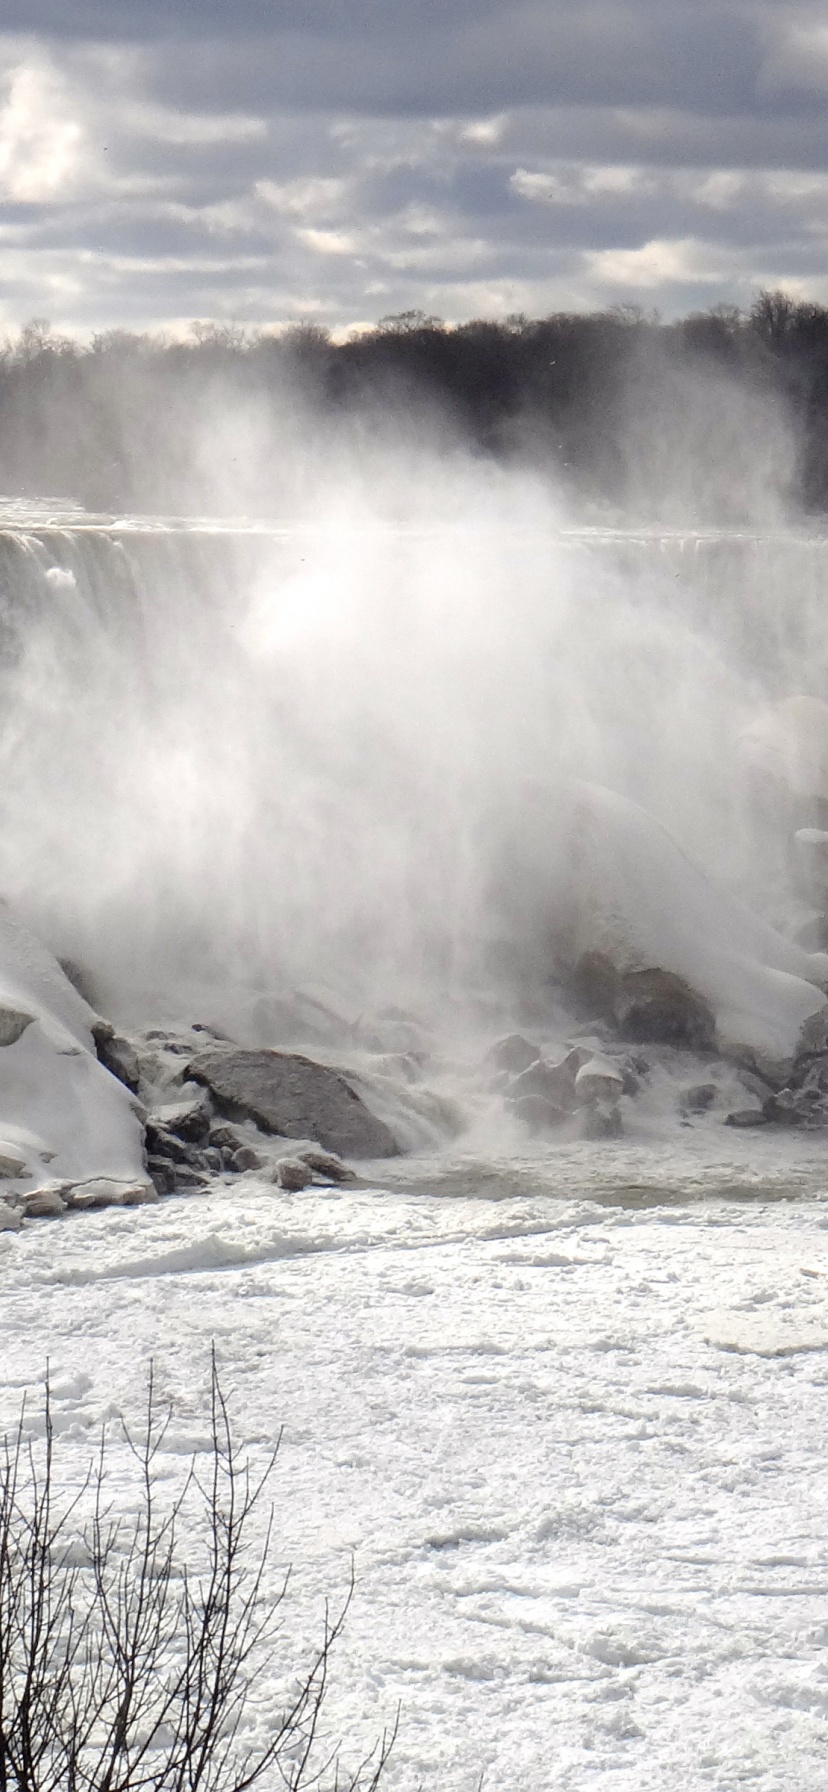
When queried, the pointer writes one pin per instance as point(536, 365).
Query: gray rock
point(188, 1118)
point(13, 1024)
point(117, 1055)
point(295, 1097)
point(599, 1080)
point(554, 1083)
point(161, 1143)
point(44, 1203)
point(162, 1175)
point(746, 1117)
point(185, 1177)
point(647, 1005)
point(803, 1104)
point(814, 1035)
point(107, 1191)
point(246, 1159)
point(696, 1098)
point(514, 1053)
point(539, 1114)
point(224, 1137)
point(326, 1164)
point(293, 1174)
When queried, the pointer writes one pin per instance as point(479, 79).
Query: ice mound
point(63, 1118)
point(628, 893)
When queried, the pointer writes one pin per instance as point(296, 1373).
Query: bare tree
point(124, 1664)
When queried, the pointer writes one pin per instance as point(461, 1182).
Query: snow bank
point(62, 1116)
point(627, 891)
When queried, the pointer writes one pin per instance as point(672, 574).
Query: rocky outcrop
point(116, 1054)
point(650, 1005)
point(294, 1096)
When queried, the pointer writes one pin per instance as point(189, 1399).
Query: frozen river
point(575, 1443)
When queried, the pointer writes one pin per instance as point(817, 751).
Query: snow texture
point(573, 1439)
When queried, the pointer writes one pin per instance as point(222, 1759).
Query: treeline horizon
point(631, 414)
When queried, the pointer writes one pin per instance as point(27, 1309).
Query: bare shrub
point(128, 1664)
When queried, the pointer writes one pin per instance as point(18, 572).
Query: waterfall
point(249, 757)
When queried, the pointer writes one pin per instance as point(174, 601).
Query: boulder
point(45, 1203)
point(246, 1159)
point(225, 1138)
point(116, 1055)
point(327, 1166)
point(293, 1174)
point(106, 1191)
point(293, 1096)
point(188, 1117)
point(696, 1098)
point(164, 1144)
point(555, 1082)
point(648, 1005)
point(599, 1079)
point(513, 1054)
point(161, 1174)
point(804, 1102)
point(538, 1114)
point(747, 1117)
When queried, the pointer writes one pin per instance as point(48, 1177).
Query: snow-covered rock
point(62, 1116)
point(599, 1079)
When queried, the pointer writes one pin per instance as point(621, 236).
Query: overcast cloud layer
point(341, 159)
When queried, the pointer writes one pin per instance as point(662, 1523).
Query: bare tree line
point(108, 423)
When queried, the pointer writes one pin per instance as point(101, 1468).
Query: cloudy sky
point(335, 160)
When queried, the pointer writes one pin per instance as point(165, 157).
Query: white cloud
point(315, 196)
point(659, 263)
point(797, 56)
point(485, 132)
point(547, 189)
point(328, 242)
point(41, 139)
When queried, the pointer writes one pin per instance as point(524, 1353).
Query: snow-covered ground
point(567, 1412)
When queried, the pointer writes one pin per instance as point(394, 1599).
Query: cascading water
point(241, 760)
point(246, 766)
